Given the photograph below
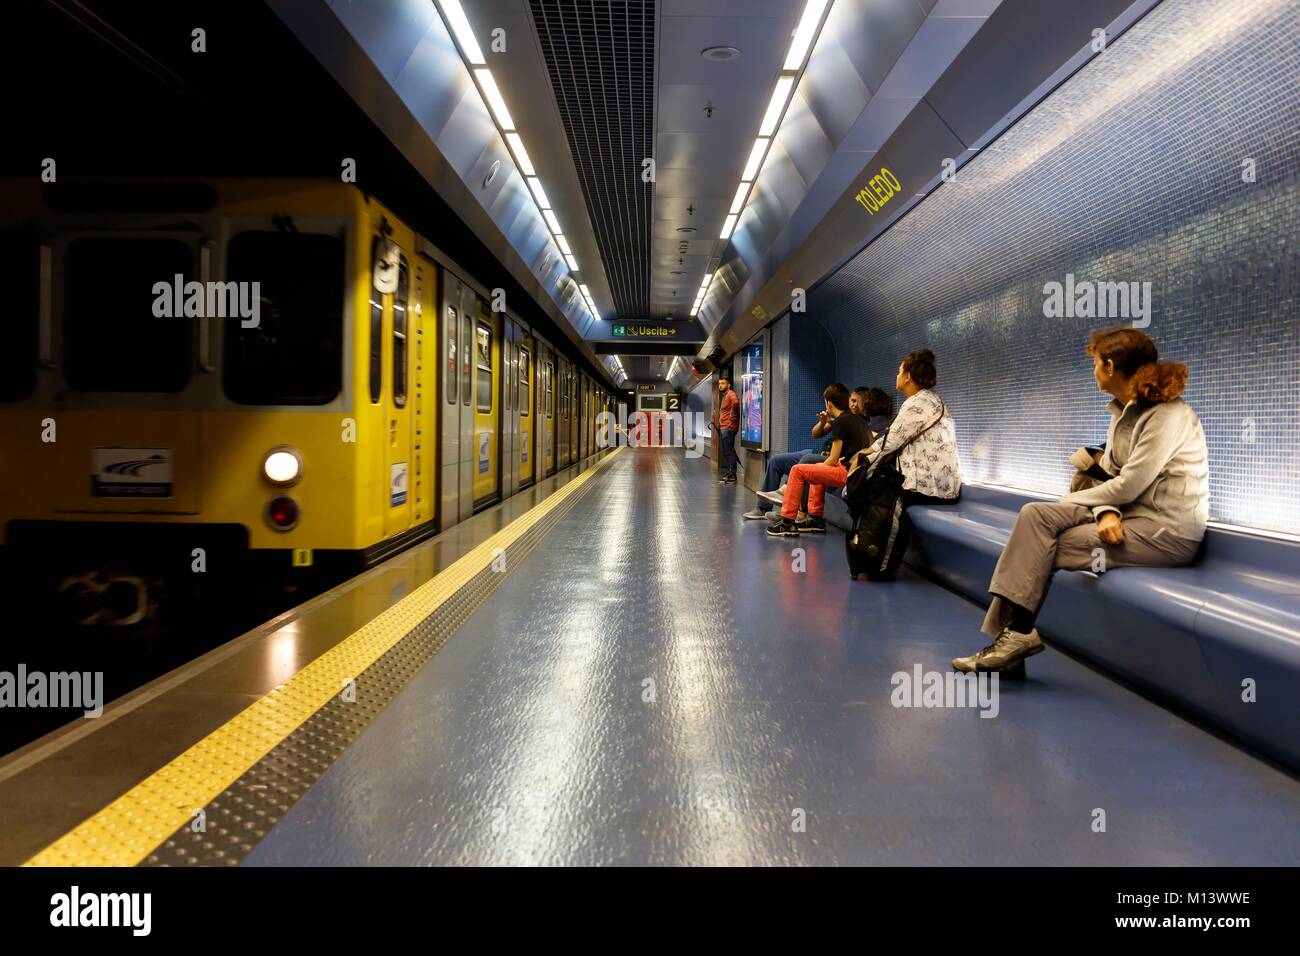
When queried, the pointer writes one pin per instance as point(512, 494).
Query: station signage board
point(648, 330)
point(645, 330)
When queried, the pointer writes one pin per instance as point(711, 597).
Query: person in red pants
point(849, 435)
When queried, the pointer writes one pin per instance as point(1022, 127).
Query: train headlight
point(282, 466)
point(282, 513)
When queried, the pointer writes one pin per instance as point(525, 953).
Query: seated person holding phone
point(849, 434)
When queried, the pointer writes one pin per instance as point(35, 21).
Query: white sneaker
point(776, 497)
point(755, 515)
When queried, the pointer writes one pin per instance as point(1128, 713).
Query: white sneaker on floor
point(754, 515)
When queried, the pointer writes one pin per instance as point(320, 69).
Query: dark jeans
point(729, 450)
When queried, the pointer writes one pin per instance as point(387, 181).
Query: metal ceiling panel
point(914, 152)
point(397, 60)
point(601, 60)
point(1026, 50)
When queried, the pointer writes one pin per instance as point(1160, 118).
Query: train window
point(467, 358)
point(509, 369)
point(401, 323)
point(550, 389)
point(113, 339)
point(452, 329)
point(376, 329)
point(20, 274)
point(525, 384)
point(294, 355)
point(483, 357)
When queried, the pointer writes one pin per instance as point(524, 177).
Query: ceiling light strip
point(805, 35)
point(463, 34)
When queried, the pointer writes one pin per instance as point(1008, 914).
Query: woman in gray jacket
point(1150, 512)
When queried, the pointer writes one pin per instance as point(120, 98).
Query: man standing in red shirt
point(728, 425)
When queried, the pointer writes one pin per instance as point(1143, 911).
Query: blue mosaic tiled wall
point(812, 368)
point(1132, 170)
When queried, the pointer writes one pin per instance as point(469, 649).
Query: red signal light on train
point(282, 513)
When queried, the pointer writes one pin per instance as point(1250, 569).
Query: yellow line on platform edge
point(132, 826)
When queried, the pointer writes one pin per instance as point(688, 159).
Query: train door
point(562, 418)
point(573, 414)
point(509, 406)
point(390, 357)
point(487, 391)
point(525, 407)
point(424, 421)
point(456, 312)
point(546, 403)
point(584, 403)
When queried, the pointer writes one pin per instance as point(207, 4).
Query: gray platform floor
point(532, 737)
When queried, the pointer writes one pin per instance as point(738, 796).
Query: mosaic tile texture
point(1136, 170)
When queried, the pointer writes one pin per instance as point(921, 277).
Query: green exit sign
point(623, 330)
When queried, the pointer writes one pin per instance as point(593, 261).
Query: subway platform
point(637, 676)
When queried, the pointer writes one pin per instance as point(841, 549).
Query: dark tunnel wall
point(1131, 171)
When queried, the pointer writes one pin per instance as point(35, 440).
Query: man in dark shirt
point(849, 434)
point(728, 425)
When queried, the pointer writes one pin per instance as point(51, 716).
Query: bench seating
point(1188, 635)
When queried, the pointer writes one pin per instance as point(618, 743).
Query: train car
point(241, 387)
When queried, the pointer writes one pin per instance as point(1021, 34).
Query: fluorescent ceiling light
point(585, 291)
point(727, 226)
point(780, 96)
point(494, 98)
point(464, 35)
point(543, 201)
point(573, 263)
point(552, 220)
point(517, 145)
point(738, 203)
point(755, 159)
point(803, 36)
point(563, 244)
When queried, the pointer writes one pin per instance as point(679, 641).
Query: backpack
point(881, 527)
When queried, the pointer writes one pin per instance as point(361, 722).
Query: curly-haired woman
point(1150, 512)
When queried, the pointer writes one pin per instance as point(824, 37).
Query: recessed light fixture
point(521, 155)
point(492, 173)
point(687, 229)
point(678, 273)
point(492, 93)
point(755, 159)
point(719, 54)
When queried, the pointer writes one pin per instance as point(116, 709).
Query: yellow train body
point(159, 439)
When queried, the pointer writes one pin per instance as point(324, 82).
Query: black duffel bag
point(881, 528)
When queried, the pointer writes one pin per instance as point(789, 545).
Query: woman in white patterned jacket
point(928, 462)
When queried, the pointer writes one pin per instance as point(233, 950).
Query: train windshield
point(294, 353)
point(119, 334)
point(20, 275)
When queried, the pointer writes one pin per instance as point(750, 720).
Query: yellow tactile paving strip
point(132, 826)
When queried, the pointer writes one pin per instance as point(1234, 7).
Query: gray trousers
point(1050, 535)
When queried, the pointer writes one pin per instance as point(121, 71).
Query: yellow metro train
point(255, 388)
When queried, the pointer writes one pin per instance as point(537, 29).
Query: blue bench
point(1188, 635)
